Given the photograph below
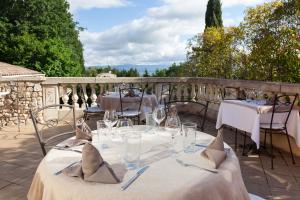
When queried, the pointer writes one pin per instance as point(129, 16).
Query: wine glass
point(110, 118)
point(173, 126)
point(159, 114)
point(123, 126)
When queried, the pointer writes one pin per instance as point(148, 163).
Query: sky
point(145, 32)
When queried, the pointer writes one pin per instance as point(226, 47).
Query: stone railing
point(66, 90)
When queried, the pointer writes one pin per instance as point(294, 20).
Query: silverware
point(70, 165)
point(196, 166)
point(132, 179)
point(67, 149)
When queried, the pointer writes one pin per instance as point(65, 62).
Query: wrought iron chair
point(282, 104)
point(126, 103)
point(165, 93)
point(203, 109)
point(53, 125)
point(89, 111)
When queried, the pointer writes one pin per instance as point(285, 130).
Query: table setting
point(247, 115)
point(127, 161)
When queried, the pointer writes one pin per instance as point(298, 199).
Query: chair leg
point(138, 120)
point(245, 134)
point(265, 139)
point(235, 140)
point(291, 151)
point(271, 142)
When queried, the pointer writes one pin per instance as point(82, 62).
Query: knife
point(130, 181)
point(70, 165)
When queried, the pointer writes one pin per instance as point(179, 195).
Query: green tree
point(272, 40)
point(40, 35)
point(146, 73)
point(213, 15)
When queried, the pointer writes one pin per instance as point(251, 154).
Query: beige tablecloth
point(164, 180)
point(248, 116)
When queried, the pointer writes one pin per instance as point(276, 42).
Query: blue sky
point(145, 31)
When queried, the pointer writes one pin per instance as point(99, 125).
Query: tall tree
point(40, 35)
point(213, 15)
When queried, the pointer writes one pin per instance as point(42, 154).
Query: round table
point(165, 179)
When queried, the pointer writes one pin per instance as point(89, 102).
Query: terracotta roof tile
point(14, 70)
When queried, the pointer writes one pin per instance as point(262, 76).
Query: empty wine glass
point(124, 125)
point(110, 118)
point(159, 115)
point(173, 126)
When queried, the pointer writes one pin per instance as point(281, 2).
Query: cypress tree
point(213, 15)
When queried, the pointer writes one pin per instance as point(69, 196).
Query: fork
point(196, 166)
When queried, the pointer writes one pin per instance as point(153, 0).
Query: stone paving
point(20, 155)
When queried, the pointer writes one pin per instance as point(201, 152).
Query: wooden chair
point(126, 103)
point(52, 124)
point(203, 109)
point(282, 104)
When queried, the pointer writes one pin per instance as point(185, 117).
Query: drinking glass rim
point(189, 124)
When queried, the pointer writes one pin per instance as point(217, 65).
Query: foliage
point(213, 15)
point(215, 53)
point(272, 40)
point(264, 47)
point(175, 70)
point(40, 35)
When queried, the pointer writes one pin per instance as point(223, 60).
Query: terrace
point(21, 154)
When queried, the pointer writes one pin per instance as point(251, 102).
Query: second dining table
point(165, 179)
point(111, 101)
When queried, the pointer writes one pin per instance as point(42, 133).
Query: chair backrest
point(130, 100)
point(166, 93)
point(82, 97)
point(53, 124)
point(283, 104)
point(202, 111)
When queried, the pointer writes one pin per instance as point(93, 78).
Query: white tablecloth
point(165, 179)
point(112, 102)
point(248, 116)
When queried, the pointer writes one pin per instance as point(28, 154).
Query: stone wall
point(14, 107)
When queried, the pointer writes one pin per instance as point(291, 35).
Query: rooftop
point(9, 70)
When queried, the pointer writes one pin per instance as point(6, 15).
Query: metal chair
point(53, 125)
point(89, 111)
point(203, 110)
point(282, 104)
point(126, 103)
point(165, 93)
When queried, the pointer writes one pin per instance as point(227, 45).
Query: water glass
point(124, 125)
point(150, 122)
point(172, 126)
point(101, 134)
point(132, 147)
point(189, 133)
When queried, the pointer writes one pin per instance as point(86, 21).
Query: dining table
point(247, 115)
point(111, 101)
point(165, 178)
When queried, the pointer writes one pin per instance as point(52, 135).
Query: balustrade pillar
point(193, 93)
point(75, 96)
point(84, 95)
point(178, 93)
point(93, 96)
point(65, 96)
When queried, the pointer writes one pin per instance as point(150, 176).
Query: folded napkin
point(72, 143)
point(83, 131)
point(215, 152)
point(93, 168)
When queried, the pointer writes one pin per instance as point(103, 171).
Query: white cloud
point(230, 3)
point(160, 37)
point(88, 4)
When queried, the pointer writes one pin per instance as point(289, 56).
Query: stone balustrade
point(71, 90)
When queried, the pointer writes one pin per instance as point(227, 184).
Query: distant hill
point(141, 68)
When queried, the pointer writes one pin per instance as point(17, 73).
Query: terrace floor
point(21, 154)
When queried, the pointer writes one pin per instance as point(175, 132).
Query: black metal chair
point(203, 109)
point(131, 103)
point(89, 111)
point(52, 124)
point(165, 93)
point(282, 104)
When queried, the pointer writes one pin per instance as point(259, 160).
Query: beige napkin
point(83, 131)
point(93, 168)
point(215, 152)
point(72, 143)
